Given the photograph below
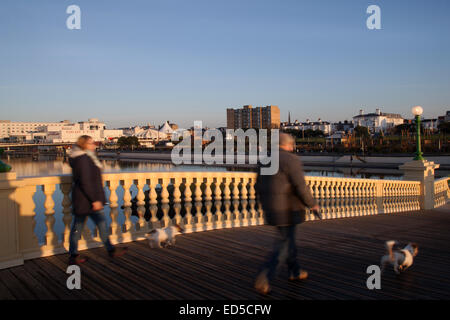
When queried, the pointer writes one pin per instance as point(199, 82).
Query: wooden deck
point(222, 264)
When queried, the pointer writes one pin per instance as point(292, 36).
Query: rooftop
point(382, 114)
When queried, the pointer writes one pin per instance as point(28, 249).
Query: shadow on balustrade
point(10, 222)
point(19, 241)
point(198, 209)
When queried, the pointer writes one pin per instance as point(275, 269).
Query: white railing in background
point(198, 201)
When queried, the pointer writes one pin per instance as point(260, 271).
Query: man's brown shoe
point(263, 288)
point(302, 276)
point(262, 285)
point(77, 259)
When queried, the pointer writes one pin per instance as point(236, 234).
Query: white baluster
point(252, 202)
point(218, 202)
point(116, 230)
point(188, 227)
point(177, 200)
point(67, 212)
point(127, 228)
point(140, 202)
point(237, 218)
point(165, 201)
point(227, 202)
point(244, 202)
point(50, 236)
point(208, 204)
point(198, 204)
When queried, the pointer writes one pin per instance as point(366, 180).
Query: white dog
point(400, 259)
point(163, 236)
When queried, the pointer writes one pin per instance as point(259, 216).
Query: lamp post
point(417, 112)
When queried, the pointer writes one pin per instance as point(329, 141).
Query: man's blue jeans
point(77, 227)
point(285, 250)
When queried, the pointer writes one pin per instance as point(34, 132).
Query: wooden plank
point(55, 280)
point(160, 279)
point(90, 282)
point(222, 264)
point(190, 276)
point(102, 277)
point(261, 257)
point(15, 286)
point(5, 294)
point(240, 267)
point(131, 283)
point(35, 285)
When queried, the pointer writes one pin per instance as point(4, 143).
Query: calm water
point(25, 167)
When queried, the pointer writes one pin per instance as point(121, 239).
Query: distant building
point(70, 133)
point(167, 130)
point(323, 126)
point(339, 137)
point(346, 126)
point(258, 118)
point(148, 137)
point(173, 126)
point(430, 124)
point(10, 128)
point(378, 121)
point(132, 131)
point(447, 116)
point(56, 132)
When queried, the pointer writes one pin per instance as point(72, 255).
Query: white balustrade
point(441, 192)
point(228, 199)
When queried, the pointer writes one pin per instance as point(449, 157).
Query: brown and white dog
point(164, 236)
point(401, 259)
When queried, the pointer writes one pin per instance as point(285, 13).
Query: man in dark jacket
point(284, 197)
point(88, 197)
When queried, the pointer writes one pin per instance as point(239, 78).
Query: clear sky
point(146, 61)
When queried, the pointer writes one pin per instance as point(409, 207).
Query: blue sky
point(137, 62)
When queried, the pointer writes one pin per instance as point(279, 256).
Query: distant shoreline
point(326, 160)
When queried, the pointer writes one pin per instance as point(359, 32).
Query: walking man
point(284, 197)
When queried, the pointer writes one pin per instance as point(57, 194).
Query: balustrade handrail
point(441, 180)
point(106, 176)
point(441, 191)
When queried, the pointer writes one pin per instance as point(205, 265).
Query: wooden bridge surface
point(222, 264)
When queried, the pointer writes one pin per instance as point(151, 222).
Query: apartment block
point(258, 118)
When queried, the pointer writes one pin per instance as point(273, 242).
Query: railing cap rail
point(66, 178)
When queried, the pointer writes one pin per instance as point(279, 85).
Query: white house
point(378, 121)
point(308, 125)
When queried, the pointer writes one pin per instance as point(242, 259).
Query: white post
point(423, 171)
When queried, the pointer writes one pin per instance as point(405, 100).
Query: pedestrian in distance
point(284, 197)
point(88, 197)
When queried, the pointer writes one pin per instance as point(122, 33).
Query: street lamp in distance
point(417, 112)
